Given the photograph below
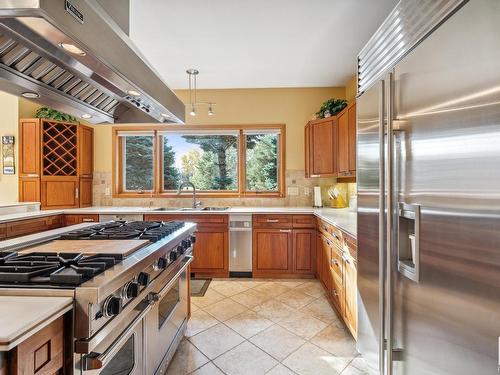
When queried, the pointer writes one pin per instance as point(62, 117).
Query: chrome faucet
point(189, 183)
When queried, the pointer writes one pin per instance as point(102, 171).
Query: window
point(209, 161)
point(224, 160)
point(138, 156)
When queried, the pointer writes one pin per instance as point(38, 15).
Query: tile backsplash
point(299, 194)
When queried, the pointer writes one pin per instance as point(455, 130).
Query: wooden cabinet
point(30, 226)
point(211, 249)
point(337, 270)
point(284, 245)
point(53, 157)
point(272, 251)
point(42, 353)
point(3, 231)
point(304, 251)
point(330, 145)
point(321, 154)
point(79, 219)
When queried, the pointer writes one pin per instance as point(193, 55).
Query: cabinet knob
point(143, 278)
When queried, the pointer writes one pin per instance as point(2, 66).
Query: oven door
point(166, 321)
point(124, 356)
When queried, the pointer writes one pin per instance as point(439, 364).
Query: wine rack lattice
point(59, 149)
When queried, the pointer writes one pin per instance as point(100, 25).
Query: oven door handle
point(186, 261)
point(94, 361)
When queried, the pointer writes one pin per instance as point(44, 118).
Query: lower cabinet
point(42, 353)
point(272, 251)
point(211, 249)
point(79, 219)
point(86, 186)
point(31, 226)
point(284, 246)
point(337, 271)
point(60, 192)
point(3, 231)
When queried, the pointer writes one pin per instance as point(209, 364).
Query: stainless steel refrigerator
point(429, 190)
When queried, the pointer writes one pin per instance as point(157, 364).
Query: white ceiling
point(255, 43)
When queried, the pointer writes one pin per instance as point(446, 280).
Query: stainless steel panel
point(447, 101)
point(403, 28)
point(368, 124)
point(240, 243)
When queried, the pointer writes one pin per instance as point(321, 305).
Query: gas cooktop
point(121, 230)
point(70, 269)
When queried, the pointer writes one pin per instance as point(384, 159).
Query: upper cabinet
point(55, 163)
point(330, 147)
point(321, 147)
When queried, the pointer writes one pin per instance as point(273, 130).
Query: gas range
point(111, 292)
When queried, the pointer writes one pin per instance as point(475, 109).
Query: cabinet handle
point(285, 230)
point(272, 220)
point(76, 193)
point(335, 293)
point(31, 175)
point(87, 220)
point(335, 262)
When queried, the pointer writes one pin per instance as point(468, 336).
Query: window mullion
point(241, 164)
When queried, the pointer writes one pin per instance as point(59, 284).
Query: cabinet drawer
point(331, 232)
point(304, 221)
point(3, 231)
point(337, 292)
point(78, 219)
point(30, 226)
point(272, 221)
point(208, 219)
point(336, 261)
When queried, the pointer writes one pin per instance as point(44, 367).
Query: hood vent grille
point(29, 64)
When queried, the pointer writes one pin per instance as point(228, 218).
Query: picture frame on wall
point(8, 156)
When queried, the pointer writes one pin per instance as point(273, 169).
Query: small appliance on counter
point(318, 202)
point(337, 200)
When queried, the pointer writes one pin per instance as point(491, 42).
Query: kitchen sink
point(165, 209)
point(215, 208)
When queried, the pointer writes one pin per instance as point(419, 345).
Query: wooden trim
point(158, 192)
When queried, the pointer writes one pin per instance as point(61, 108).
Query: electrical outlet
point(307, 191)
point(293, 190)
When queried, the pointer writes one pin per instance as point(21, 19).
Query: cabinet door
point(304, 250)
point(343, 142)
point(29, 148)
point(85, 151)
point(42, 353)
point(29, 189)
point(352, 136)
point(210, 250)
point(319, 256)
point(350, 291)
point(3, 231)
point(323, 147)
point(272, 251)
point(307, 150)
point(86, 192)
point(60, 192)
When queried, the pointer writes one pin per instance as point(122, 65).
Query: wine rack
point(59, 148)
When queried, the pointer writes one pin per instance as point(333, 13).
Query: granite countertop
point(341, 217)
point(23, 316)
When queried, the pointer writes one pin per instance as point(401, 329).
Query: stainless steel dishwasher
point(240, 245)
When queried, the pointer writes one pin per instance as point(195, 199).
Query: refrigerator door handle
point(382, 230)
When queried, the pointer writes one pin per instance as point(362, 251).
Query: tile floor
point(275, 327)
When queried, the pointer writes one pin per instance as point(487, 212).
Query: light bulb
point(210, 110)
point(72, 49)
point(193, 111)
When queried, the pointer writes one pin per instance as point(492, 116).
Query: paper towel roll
point(317, 197)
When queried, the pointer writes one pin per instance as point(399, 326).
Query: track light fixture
point(193, 88)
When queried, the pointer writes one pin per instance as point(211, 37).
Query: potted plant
point(331, 107)
point(52, 114)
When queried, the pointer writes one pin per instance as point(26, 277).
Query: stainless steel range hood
point(107, 78)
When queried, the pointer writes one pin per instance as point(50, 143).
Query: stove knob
point(162, 263)
point(173, 256)
point(112, 306)
point(186, 244)
point(193, 239)
point(131, 290)
point(143, 278)
point(181, 249)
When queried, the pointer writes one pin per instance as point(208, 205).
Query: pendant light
point(193, 89)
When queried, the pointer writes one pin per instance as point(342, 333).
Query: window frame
point(158, 183)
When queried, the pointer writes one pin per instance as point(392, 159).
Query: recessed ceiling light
point(86, 115)
point(72, 49)
point(30, 95)
point(133, 93)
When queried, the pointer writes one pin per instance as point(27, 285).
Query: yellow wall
point(290, 106)
point(351, 88)
point(8, 126)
